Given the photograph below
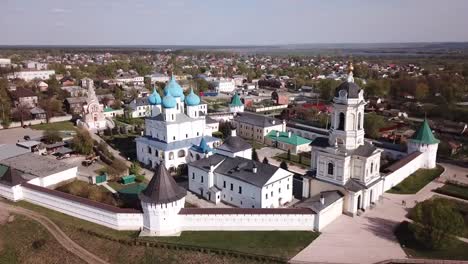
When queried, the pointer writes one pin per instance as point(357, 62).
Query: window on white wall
point(330, 168)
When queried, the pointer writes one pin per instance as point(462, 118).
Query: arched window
point(330, 168)
point(359, 121)
point(341, 123)
point(181, 153)
point(171, 155)
point(371, 167)
point(197, 157)
point(156, 152)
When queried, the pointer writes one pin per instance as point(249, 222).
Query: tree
point(284, 165)
point(51, 106)
point(373, 123)
point(265, 161)
point(22, 113)
point(82, 142)
point(254, 155)
point(327, 88)
point(135, 169)
point(52, 136)
point(436, 222)
point(225, 128)
point(421, 91)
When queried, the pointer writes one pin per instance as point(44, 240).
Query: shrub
point(436, 223)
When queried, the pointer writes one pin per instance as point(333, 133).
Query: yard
point(88, 191)
point(123, 143)
point(25, 241)
point(453, 189)
point(271, 243)
point(59, 126)
point(416, 181)
point(301, 160)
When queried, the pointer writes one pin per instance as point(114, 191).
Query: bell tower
point(347, 120)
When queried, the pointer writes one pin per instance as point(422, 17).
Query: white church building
point(348, 163)
point(177, 125)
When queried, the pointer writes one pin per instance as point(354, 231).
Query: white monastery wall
point(247, 222)
point(327, 215)
point(400, 174)
point(58, 177)
point(124, 220)
point(39, 121)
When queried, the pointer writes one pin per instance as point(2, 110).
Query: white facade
point(217, 185)
point(29, 75)
point(224, 86)
point(5, 62)
point(173, 129)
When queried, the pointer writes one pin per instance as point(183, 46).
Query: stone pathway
point(109, 188)
point(367, 238)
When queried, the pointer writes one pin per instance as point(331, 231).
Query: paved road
point(13, 135)
point(368, 238)
point(61, 237)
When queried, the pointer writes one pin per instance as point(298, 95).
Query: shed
point(128, 179)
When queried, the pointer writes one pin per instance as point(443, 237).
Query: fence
point(39, 121)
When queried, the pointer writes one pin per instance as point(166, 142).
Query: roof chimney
point(289, 134)
point(254, 168)
point(322, 199)
point(277, 133)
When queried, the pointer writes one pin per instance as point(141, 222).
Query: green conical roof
point(424, 134)
point(236, 101)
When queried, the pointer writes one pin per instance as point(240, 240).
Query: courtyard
point(369, 238)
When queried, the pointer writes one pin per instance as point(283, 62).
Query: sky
point(230, 22)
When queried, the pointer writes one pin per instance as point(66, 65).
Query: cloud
point(59, 10)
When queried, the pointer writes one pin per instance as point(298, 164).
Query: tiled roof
point(257, 120)
point(424, 134)
point(162, 188)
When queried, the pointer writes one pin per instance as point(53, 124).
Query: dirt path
point(61, 237)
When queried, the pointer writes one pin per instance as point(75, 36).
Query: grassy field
point(274, 243)
point(416, 181)
point(59, 126)
point(454, 190)
point(457, 250)
point(284, 244)
point(26, 241)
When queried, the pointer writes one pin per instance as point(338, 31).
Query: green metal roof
point(108, 109)
point(424, 134)
point(236, 101)
point(283, 137)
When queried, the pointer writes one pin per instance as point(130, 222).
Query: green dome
point(174, 89)
point(192, 99)
point(168, 101)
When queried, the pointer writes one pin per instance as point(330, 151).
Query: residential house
point(288, 141)
point(25, 96)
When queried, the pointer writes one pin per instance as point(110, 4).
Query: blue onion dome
point(168, 100)
point(174, 89)
point(192, 99)
point(154, 98)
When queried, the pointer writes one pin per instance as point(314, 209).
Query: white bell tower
point(347, 119)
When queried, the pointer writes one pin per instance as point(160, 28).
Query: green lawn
point(457, 250)
point(416, 181)
point(283, 244)
point(271, 243)
point(59, 126)
point(454, 190)
point(26, 241)
point(21, 234)
point(305, 161)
